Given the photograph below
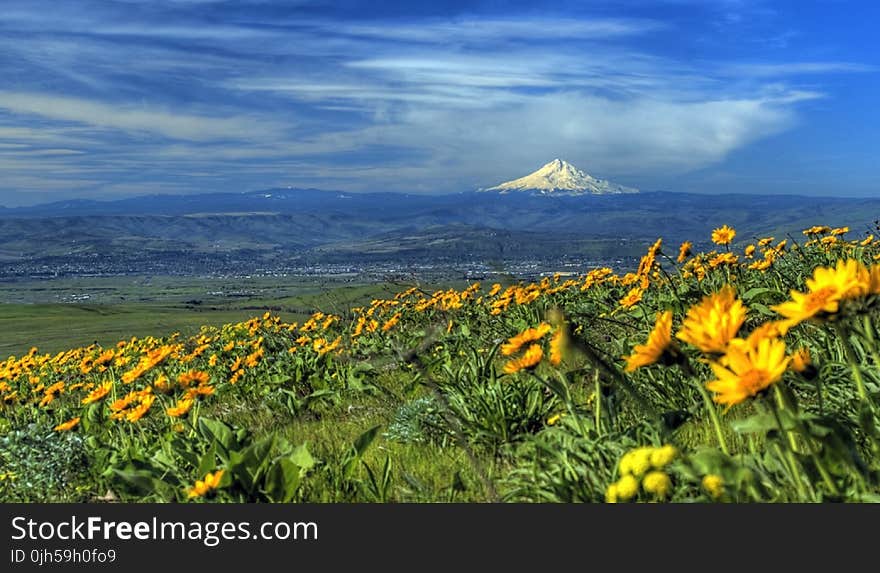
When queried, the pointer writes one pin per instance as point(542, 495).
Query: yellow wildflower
point(180, 408)
point(98, 392)
point(659, 345)
point(528, 335)
point(723, 235)
point(712, 323)
point(827, 288)
point(531, 358)
point(663, 456)
point(632, 298)
point(627, 488)
point(657, 483)
point(204, 486)
point(67, 426)
point(714, 485)
point(747, 370)
point(197, 376)
point(684, 251)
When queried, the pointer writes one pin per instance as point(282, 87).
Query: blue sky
point(105, 99)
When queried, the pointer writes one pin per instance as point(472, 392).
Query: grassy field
point(747, 374)
point(56, 315)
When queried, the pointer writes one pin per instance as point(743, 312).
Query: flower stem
point(713, 415)
point(852, 359)
point(688, 371)
point(785, 403)
point(789, 457)
point(598, 408)
point(872, 341)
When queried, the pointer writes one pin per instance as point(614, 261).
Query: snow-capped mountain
point(561, 178)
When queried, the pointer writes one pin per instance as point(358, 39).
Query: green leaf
point(254, 461)
point(140, 480)
point(219, 433)
point(754, 293)
point(279, 379)
point(762, 423)
point(282, 480)
point(709, 461)
point(164, 460)
point(762, 309)
point(365, 439)
point(208, 461)
point(759, 423)
point(303, 458)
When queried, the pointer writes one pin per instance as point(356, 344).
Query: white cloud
point(487, 30)
point(776, 70)
point(132, 117)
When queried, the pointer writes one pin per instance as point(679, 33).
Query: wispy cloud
point(777, 70)
point(201, 95)
point(130, 117)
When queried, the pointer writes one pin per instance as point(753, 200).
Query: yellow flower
point(528, 335)
point(196, 376)
point(138, 411)
point(636, 462)
point(204, 486)
point(657, 483)
point(722, 259)
point(627, 488)
point(322, 347)
point(68, 425)
point(162, 384)
point(827, 287)
point(714, 485)
point(801, 360)
point(874, 279)
point(867, 241)
point(202, 390)
point(723, 235)
point(531, 358)
point(391, 322)
point(817, 230)
point(840, 231)
point(747, 370)
point(632, 298)
point(552, 420)
point(712, 323)
point(611, 494)
point(98, 392)
point(766, 241)
point(663, 456)
point(105, 357)
point(557, 345)
point(684, 251)
point(749, 251)
point(771, 329)
point(659, 343)
point(180, 408)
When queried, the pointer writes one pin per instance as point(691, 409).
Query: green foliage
point(40, 465)
point(420, 421)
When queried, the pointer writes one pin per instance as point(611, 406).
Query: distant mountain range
point(561, 178)
point(314, 225)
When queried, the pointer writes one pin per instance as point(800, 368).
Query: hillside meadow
point(748, 373)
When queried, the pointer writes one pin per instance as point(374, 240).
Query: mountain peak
point(560, 177)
